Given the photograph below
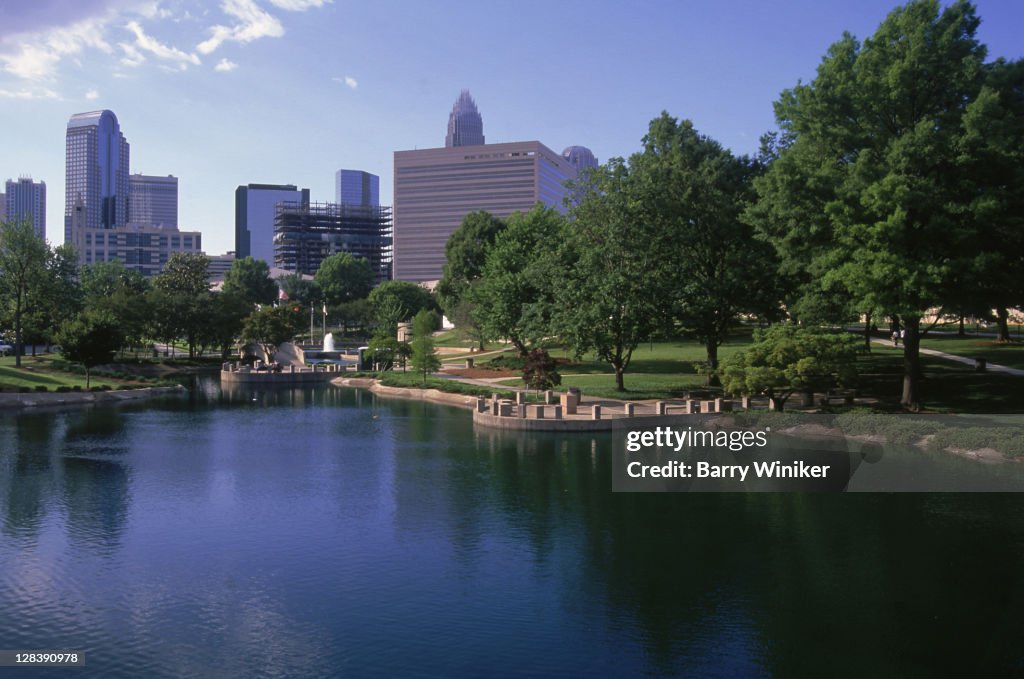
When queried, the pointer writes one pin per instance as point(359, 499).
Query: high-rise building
point(436, 188)
point(97, 171)
point(153, 201)
point(254, 217)
point(26, 199)
point(465, 126)
point(580, 157)
point(140, 247)
point(355, 187)
point(3, 207)
point(305, 234)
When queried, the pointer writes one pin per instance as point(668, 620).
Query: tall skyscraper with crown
point(97, 172)
point(465, 126)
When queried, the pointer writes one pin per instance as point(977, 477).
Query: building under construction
point(307, 233)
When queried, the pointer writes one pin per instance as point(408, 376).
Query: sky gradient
point(289, 91)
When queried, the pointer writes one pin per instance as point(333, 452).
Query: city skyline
point(367, 81)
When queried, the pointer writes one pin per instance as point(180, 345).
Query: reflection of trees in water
point(776, 582)
point(26, 472)
point(96, 500)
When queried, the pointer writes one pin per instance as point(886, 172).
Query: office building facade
point(153, 201)
point(97, 171)
point(355, 187)
point(580, 157)
point(143, 248)
point(436, 188)
point(255, 210)
point(305, 234)
point(465, 125)
point(26, 199)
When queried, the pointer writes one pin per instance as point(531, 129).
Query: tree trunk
point(911, 364)
point(619, 383)
point(87, 378)
point(867, 332)
point(776, 403)
point(961, 332)
point(17, 339)
point(712, 349)
point(1002, 321)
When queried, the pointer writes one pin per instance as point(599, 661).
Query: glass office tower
point(97, 171)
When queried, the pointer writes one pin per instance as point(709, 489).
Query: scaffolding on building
point(305, 234)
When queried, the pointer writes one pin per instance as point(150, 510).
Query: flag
point(282, 295)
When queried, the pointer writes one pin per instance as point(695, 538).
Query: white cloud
point(132, 56)
point(36, 55)
point(27, 93)
point(92, 95)
point(348, 81)
point(225, 66)
point(150, 44)
point(298, 5)
point(254, 23)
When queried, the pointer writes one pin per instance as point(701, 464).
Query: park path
point(994, 367)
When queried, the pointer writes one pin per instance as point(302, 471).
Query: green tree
point(693, 192)
point(411, 297)
point(186, 273)
point(424, 357)
point(464, 257)
point(56, 298)
point(270, 327)
point(225, 316)
point(869, 154)
point(301, 290)
point(109, 287)
point(250, 279)
point(610, 303)
point(90, 339)
point(786, 358)
point(343, 278)
point(515, 296)
point(23, 258)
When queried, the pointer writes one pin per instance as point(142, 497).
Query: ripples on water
point(328, 533)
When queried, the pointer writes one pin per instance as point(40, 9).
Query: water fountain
point(329, 342)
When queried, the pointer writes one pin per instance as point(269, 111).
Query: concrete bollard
point(568, 403)
point(628, 409)
point(521, 410)
point(494, 406)
point(549, 397)
point(538, 412)
point(520, 397)
point(505, 409)
point(723, 406)
point(707, 406)
point(595, 412)
point(745, 403)
point(481, 405)
point(469, 363)
point(558, 412)
point(661, 408)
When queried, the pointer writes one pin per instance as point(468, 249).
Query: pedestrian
point(895, 338)
point(903, 335)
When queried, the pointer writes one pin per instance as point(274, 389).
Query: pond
point(327, 532)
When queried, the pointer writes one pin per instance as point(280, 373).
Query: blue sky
point(288, 91)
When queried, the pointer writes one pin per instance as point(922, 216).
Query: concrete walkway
point(993, 367)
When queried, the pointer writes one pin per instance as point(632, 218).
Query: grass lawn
point(1011, 354)
point(947, 386)
point(662, 370)
point(39, 371)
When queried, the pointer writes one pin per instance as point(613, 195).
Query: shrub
point(42, 388)
point(77, 387)
point(24, 390)
point(63, 389)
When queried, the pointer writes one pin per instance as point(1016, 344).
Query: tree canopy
point(344, 277)
point(250, 279)
point(465, 254)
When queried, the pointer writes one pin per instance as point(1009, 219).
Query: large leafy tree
point(180, 298)
point(250, 279)
point(186, 273)
point(412, 298)
point(344, 277)
point(614, 294)
point(869, 159)
point(693, 192)
point(56, 298)
point(23, 257)
point(465, 254)
point(271, 327)
point(515, 297)
point(111, 288)
point(91, 339)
